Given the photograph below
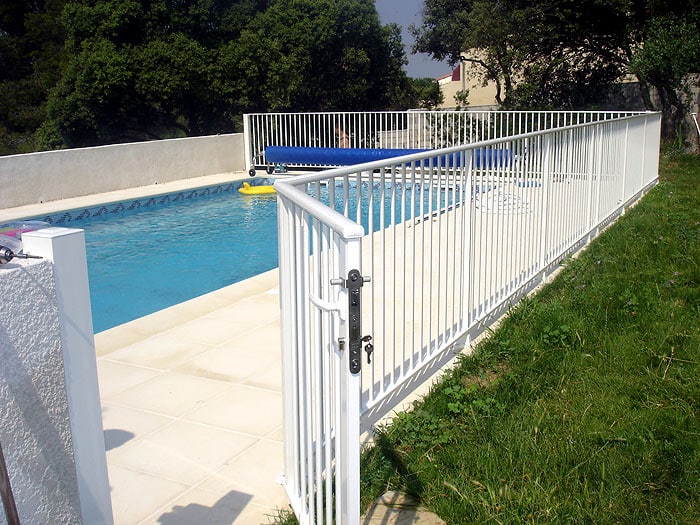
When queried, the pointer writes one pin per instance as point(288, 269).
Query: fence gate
point(321, 288)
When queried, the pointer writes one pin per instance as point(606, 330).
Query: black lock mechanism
point(354, 284)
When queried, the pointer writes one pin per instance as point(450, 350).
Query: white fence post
point(348, 430)
point(246, 144)
point(65, 247)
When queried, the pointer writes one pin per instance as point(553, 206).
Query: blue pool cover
point(484, 157)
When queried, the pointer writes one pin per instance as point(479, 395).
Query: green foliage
point(444, 28)
point(139, 71)
point(422, 93)
point(670, 51)
point(31, 45)
point(88, 72)
point(557, 337)
point(546, 54)
point(462, 98)
point(318, 55)
point(583, 405)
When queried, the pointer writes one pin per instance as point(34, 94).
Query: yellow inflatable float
point(247, 189)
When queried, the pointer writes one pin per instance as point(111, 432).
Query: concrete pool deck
point(192, 413)
point(191, 396)
point(192, 409)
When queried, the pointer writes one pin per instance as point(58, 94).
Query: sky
point(405, 13)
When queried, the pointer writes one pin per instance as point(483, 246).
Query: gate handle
point(328, 306)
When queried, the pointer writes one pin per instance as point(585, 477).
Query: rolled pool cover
point(483, 158)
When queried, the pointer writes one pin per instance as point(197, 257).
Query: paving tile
point(124, 426)
point(115, 338)
point(157, 322)
point(115, 378)
point(248, 315)
point(201, 306)
point(265, 341)
point(203, 507)
point(270, 378)
point(255, 514)
point(163, 351)
point(233, 362)
point(257, 284)
point(170, 393)
point(242, 409)
point(256, 471)
point(183, 451)
point(135, 494)
point(211, 330)
point(277, 435)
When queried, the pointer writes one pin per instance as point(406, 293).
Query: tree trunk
point(645, 92)
point(673, 113)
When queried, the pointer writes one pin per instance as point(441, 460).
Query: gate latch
point(354, 284)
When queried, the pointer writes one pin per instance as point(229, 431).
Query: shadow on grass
point(385, 466)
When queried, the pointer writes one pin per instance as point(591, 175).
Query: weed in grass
point(558, 337)
point(284, 517)
point(423, 429)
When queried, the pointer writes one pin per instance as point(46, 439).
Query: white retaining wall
point(52, 175)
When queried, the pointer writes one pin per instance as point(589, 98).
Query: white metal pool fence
point(449, 238)
point(396, 129)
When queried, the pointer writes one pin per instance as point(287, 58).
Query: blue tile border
point(64, 218)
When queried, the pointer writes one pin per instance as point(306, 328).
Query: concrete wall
point(52, 175)
point(480, 95)
point(50, 421)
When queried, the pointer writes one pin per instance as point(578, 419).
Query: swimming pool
point(152, 253)
point(147, 254)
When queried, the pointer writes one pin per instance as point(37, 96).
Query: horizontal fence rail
point(450, 238)
point(394, 130)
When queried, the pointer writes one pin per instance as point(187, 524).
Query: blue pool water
point(144, 258)
point(143, 262)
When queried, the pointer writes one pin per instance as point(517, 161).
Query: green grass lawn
point(584, 405)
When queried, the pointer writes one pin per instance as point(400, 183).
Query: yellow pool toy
point(247, 189)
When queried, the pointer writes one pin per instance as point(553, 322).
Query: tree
point(143, 69)
point(670, 51)
point(316, 55)
point(425, 93)
point(127, 70)
point(31, 44)
point(563, 53)
point(140, 70)
point(533, 52)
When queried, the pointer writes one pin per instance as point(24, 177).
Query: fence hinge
point(354, 283)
